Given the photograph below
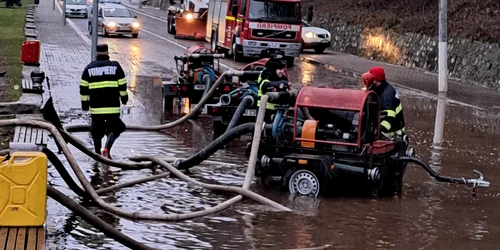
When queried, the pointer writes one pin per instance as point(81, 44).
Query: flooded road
point(429, 215)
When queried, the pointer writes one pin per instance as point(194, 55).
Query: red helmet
point(367, 80)
point(378, 73)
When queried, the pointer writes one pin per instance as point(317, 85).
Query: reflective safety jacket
point(394, 121)
point(265, 84)
point(103, 86)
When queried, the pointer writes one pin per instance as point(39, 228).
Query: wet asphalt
point(429, 215)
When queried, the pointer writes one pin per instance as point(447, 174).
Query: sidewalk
point(354, 66)
point(64, 56)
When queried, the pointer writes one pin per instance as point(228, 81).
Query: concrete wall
point(474, 61)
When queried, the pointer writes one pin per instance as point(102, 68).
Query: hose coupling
point(225, 99)
point(478, 182)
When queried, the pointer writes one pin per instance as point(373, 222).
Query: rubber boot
point(109, 144)
point(98, 145)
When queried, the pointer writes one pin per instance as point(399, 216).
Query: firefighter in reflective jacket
point(392, 118)
point(272, 78)
point(102, 87)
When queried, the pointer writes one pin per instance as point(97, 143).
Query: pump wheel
point(304, 182)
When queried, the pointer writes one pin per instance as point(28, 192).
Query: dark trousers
point(105, 125)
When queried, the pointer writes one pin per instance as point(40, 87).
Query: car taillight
point(227, 88)
point(174, 88)
point(184, 88)
point(214, 110)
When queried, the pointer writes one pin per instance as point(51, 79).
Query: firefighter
point(272, 78)
point(102, 87)
point(392, 118)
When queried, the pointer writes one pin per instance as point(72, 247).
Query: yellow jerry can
point(23, 189)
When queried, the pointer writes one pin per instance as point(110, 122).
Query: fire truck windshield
point(274, 11)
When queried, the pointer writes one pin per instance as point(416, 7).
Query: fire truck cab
point(255, 28)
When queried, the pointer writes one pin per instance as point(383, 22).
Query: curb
point(31, 100)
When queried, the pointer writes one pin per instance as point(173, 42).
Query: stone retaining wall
point(471, 60)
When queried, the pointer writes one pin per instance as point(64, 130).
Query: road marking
point(87, 40)
point(176, 44)
point(78, 31)
point(145, 14)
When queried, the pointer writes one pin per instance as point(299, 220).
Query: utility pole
point(64, 13)
point(95, 16)
point(54, 4)
point(140, 4)
point(437, 142)
point(443, 46)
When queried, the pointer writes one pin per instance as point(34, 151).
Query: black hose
point(215, 145)
point(4, 152)
point(430, 170)
point(94, 220)
point(246, 102)
point(64, 173)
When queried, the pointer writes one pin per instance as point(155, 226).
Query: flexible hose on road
point(246, 102)
point(93, 194)
point(431, 171)
point(215, 145)
point(270, 96)
point(73, 140)
point(4, 152)
point(52, 157)
point(94, 220)
point(195, 110)
point(64, 173)
point(242, 191)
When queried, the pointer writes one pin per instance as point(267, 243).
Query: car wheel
point(104, 32)
point(290, 61)
point(237, 57)
point(319, 50)
point(135, 35)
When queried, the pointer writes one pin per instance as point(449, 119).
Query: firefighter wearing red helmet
point(392, 118)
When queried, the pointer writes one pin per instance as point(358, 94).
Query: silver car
point(76, 8)
point(115, 19)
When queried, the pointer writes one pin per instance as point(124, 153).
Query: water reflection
point(437, 143)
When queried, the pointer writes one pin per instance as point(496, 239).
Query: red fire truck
point(255, 28)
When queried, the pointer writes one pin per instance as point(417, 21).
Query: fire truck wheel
point(303, 182)
point(213, 41)
point(237, 57)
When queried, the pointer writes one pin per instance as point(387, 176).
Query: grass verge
point(12, 26)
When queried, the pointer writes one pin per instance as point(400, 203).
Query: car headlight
point(111, 24)
point(310, 35)
point(189, 16)
point(135, 25)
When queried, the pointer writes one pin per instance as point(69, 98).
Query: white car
point(315, 38)
point(115, 19)
point(76, 8)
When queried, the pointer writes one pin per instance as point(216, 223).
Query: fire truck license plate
point(199, 87)
point(250, 112)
